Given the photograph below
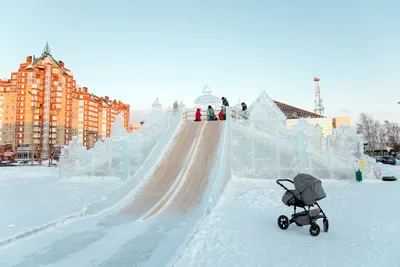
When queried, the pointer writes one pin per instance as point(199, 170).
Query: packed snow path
point(242, 230)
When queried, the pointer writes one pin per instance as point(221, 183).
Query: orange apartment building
point(41, 106)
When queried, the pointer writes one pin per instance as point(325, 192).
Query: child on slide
point(210, 114)
point(198, 115)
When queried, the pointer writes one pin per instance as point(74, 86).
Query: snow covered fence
point(269, 150)
point(120, 155)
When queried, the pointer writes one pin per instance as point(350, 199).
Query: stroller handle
point(279, 181)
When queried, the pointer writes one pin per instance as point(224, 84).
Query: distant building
point(134, 127)
point(338, 121)
point(41, 106)
point(264, 106)
point(327, 124)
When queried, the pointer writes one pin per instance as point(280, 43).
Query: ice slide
point(152, 227)
point(183, 172)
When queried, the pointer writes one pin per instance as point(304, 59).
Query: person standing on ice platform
point(244, 111)
point(175, 107)
point(225, 104)
point(221, 115)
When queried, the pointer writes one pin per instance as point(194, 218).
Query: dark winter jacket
point(225, 103)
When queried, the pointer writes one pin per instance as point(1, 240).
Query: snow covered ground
point(242, 229)
point(33, 196)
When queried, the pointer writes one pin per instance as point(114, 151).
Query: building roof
point(46, 53)
point(292, 112)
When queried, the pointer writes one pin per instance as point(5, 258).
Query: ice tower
point(207, 99)
point(265, 114)
point(181, 105)
point(156, 107)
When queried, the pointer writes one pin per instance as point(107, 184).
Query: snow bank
point(126, 191)
point(33, 197)
point(28, 172)
point(242, 229)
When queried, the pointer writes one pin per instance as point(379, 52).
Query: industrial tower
point(319, 107)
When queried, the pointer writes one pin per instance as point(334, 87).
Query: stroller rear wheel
point(325, 225)
point(283, 222)
point(314, 229)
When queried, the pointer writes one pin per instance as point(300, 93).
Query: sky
point(136, 51)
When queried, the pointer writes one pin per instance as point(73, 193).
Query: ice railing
point(189, 114)
point(267, 149)
point(121, 154)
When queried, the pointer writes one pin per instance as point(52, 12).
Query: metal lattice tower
point(319, 107)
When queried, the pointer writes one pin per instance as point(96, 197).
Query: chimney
point(107, 98)
point(29, 59)
point(85, 90)
point(61, 63)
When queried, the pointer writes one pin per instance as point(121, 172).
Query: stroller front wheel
point(283, 222)
point(314, 229)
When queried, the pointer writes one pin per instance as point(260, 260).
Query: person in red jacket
point(221, 115)
point(198, 115)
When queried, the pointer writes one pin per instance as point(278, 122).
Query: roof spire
point(207, 90)
point(46, 50)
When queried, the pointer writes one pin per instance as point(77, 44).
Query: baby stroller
point(308, 190)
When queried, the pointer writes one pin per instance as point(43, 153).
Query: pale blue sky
point(137, 50)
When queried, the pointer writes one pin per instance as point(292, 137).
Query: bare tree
point(381, 135)
point(377, 135)
point(367, 127)
point(392, 131)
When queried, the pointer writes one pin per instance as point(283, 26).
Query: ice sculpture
point(264, 108)
point(120, 155)
point(118, 128)
point(263, 147)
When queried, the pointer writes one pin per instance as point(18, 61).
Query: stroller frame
point(284, 222)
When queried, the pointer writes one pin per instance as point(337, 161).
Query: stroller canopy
point(308, 190)
point(309, 187)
